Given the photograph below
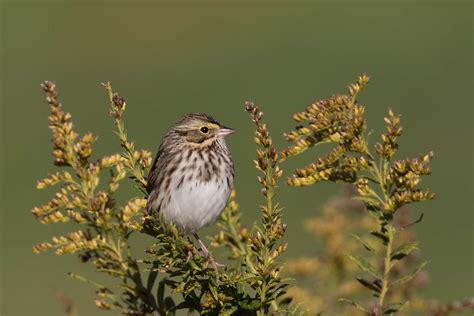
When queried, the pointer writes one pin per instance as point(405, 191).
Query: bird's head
point(201, 129)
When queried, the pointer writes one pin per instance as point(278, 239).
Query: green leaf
point(364, 265)
point(394, 308)
point(370, 285)
point(380, 235)
point(411, 224)
point(368, 200)
point(214, 293)
point(230, 310)
point(249, 304)
point(193, 264)
point(364, 243)
point(410, 276)
point(152, 276)
point(169, 303)
point(355, 304)
point(84, 279)
point(372, 208)
point(403, 251)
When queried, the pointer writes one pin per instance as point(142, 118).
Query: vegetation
point(366, 229)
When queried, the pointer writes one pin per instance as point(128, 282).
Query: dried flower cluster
point(263, 243)
point(171, 265)
point(336, 120)
point(83, 198)
point(383, 185)
point(171, 275)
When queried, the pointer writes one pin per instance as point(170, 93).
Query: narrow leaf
point(249, 304)
point(370, 285)
point(84, 279)
point(363, 242)
point(411, 224)
point(367, 199)
point(394, 308)
point(152, 276)
point(403, 251)
point(169, 303)
point(364, 265)
point(410, 276)
point(380, 235)
point(355, 304)
point(372, 208)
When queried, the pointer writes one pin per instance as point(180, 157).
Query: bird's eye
point(204, 130)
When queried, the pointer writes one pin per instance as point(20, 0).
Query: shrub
point(170, 275)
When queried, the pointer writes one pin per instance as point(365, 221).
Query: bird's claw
point(205, 254)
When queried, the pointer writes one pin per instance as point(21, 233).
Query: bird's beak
point(224, 131)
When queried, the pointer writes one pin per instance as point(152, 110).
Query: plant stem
point(269, 200)
point(387, 264)
point(379, 173)
point(129, 148)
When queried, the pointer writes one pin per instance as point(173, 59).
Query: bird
point(192, 175)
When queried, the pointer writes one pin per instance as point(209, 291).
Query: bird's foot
point(214, 264)
point(204, 253)
point(210, 258)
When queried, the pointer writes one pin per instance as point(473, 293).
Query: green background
point(172, 58)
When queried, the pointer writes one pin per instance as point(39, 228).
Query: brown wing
point(154, 171)
point(155, 179)
point(158, 172)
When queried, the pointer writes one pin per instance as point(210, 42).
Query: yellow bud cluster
point(53, 179)
point(131, 209)
point(52, 206)
point(337, 120)
point(61, 126)
point(102, 304)
point(404, 197)
point(333, 156)
point(76, 216)
point(363, 187)
point(119, 174)
point(267, 157)
point(104, 218)
point(143, 157)
point(53, 217)
point(110, 161)
point(300, 146)
point(389, 146)
point(83, 147)
point(99, 201)
point(406, 176)
point(42, 247)
point(277, 252)
point(307, 171)
point(76, 241)
point(310, 179)
point(361, 82)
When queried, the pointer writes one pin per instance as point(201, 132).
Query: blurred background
point(171, 58)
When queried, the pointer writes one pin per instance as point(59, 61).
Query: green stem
point(379, 173)
point(129, 150)
point(267, 224)
point(387, 265)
